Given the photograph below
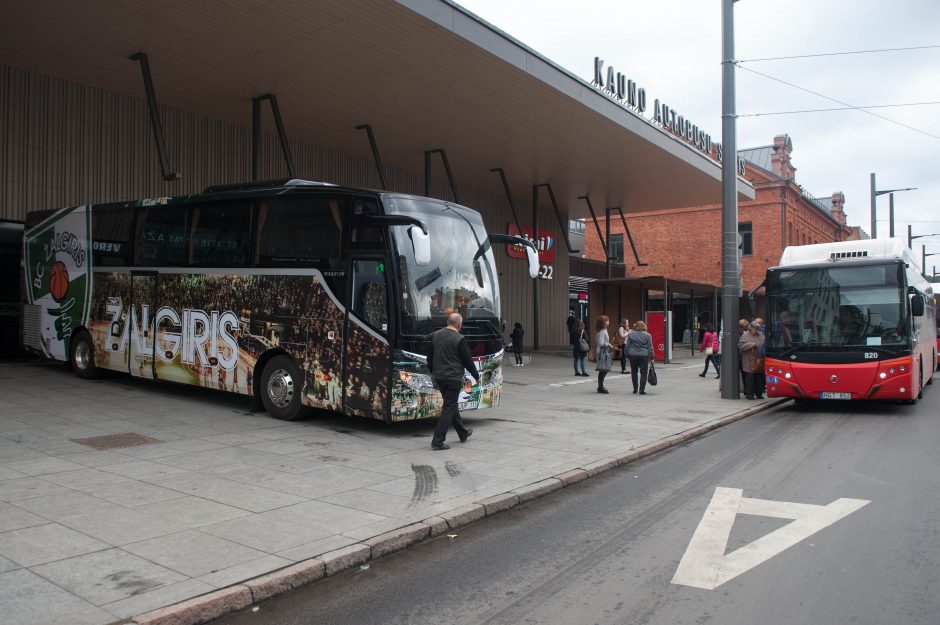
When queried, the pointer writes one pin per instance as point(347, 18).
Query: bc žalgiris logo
point(58, 276)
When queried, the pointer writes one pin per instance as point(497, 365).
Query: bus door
point(368, 362)
point(140, 318)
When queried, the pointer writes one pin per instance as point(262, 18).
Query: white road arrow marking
point(705, 565)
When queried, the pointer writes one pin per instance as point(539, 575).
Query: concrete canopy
point(425, 73)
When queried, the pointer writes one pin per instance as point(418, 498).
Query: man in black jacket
point(448, 360)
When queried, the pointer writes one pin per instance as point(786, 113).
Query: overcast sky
point(673, 49)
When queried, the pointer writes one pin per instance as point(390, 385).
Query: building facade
point(685, 243)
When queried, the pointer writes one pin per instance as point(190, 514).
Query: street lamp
point(923, 259)
point(874, 211)
point(910, 239)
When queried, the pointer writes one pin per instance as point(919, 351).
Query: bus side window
point(219, 234)
point(111, 230)
point(300, 232)
point(162, 236)
point(369, 293)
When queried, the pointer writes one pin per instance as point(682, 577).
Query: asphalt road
point(607, 550)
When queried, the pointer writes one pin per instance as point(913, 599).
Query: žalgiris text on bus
point(301, 294)
point(850, 320)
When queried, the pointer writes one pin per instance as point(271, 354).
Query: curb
point(213, 605)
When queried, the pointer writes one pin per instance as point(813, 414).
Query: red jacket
point(709, 340)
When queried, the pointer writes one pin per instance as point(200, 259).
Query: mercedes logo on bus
point(834, 379)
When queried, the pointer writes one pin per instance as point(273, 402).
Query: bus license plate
point(835, 396)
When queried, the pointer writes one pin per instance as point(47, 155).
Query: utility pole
point(730, 277)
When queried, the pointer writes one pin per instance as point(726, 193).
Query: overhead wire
point(812, 56)
point(846, 104)
point(839, 108)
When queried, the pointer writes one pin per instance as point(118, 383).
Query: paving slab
point(228, 495)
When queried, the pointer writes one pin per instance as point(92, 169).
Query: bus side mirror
point(917, 305)
point(533, 257)
point(421, 243)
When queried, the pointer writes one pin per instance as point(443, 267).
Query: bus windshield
point(836, 309)
point(461, 276)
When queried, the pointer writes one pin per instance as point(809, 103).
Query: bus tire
point(82, 356)
point(920, 389)
point(281, 387)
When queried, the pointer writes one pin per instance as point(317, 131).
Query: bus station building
point(103, 102)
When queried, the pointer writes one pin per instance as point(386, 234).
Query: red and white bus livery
point(849, 320)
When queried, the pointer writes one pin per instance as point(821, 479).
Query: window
point(300, 231)
point(616, 248)
point(369, 293)
point(364, 235)
point(111, 230)
point(745, 235)
point(220, 234)
point(790, 239)
point(161, 236)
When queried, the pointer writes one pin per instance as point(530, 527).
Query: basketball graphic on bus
point(58, 281)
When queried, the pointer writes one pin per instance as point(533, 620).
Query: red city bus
point(849, 320)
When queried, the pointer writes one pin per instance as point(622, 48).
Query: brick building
point(685, 243)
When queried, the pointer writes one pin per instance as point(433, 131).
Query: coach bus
point(301, 294)
point(849, 320)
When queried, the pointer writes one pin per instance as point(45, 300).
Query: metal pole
point(256, 138)
point(730, 280)
point(910, 239)
point(535, 283)
point(890, 214)
point(874, 210)
point(607, 231)
point(155, 123)
point(923, 260)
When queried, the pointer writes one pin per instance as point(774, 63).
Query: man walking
point(448, 360)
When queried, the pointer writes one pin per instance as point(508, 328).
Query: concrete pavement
point(218, 495)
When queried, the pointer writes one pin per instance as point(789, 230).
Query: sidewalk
point(224, 495)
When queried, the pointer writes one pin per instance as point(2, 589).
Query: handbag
point(652, 378)
point(709, 351)
point(604, 360)
point(583, 345)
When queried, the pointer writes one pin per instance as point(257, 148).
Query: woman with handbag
point(579, 346)
point(620, 341)
point(640, 350)
point(710, 347)
point(605, 360)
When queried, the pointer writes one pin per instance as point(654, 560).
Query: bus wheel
point(920, 389)
point(281, 387)
point(82, 357)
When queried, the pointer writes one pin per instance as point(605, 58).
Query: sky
point(673, 50)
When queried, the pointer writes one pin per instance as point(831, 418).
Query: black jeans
point(623, 358)
point(713, 359)
point(518, 353)
point(639, 364)
point(600, 379)
point(752, 384)
point(450, 389)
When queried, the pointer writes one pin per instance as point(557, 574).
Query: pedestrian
point(580, 346)
point(742, 330)
point(749, 345)
point(709, 345)
point(640, 351)
point(760, 380)
point(449, 361)
point(620, 340)
point(571, 320)
point(602, 351)
point(516, 336)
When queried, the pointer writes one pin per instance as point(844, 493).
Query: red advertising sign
point(545, 244)
point(656, 326)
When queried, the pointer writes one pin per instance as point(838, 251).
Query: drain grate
point(116, 441)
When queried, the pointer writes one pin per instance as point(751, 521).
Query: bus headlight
point(902, 368)
point(787, 376)
point(891, 370)
point(883, 375)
